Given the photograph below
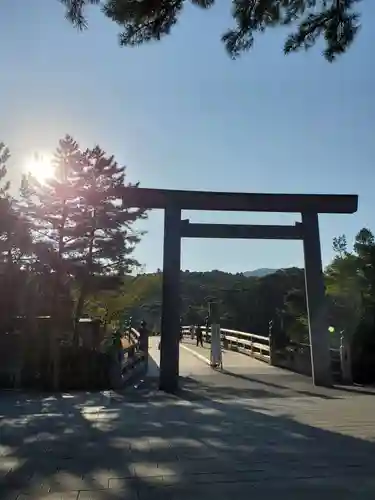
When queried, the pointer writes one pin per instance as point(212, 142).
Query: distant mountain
point(258, 273)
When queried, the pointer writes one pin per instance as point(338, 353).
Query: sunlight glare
point(40, 166)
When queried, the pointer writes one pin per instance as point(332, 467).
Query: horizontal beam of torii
point(241, 231)
point(240, 202)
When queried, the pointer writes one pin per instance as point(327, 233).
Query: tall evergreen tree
point(15, 239)
point(50, 208)
point(84, 232)
point(15, 243)
point(103, 234)
point(4, 184)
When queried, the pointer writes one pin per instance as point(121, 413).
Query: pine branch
point(145, 20)
point(75, 11)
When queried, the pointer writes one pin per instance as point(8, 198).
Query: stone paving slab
point(213, 439)
point(221, 492)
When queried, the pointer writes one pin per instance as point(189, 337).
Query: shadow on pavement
point(285, 389)
point(205, 441)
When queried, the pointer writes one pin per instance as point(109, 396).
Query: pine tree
point(103, 234)
point(82, 232)
point(6, 213)
point(50, 207)
point(15, 239)
point(4, 157)
point(15, 243)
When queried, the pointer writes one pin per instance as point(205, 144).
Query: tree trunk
point(85, 286)
point(78, 313)
point(54, 334)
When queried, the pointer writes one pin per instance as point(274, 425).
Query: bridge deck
point(243, 434)
point(242, 376)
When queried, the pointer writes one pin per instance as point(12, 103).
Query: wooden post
point(143, 343)
point(271, 343)
point(316, 302)
point(346, 361)
point(272, 349)
point(215, 335)
point(170, 320)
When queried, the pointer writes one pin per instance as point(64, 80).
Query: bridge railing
point(134, 336)
point(254, 345)
point(129, 361)
point(295, 357)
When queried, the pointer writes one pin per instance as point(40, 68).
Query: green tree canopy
point(336, 22)
point(79, 219)
point(67, 237)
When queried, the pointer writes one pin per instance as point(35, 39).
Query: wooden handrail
point(245, 342)
point(130, 364)
point(245, 334)
point(332, 349)
point(135, 334)
point(259, 346)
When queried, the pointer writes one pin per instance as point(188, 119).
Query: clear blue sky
point(182, 115)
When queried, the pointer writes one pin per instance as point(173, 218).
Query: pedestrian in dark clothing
point(199, 334)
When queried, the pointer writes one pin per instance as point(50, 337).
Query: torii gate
point(308, 205)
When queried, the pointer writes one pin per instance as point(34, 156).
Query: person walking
point(199, 334)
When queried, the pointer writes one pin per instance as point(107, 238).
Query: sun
point(40, 166)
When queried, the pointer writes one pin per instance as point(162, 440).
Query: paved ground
point(243, 433)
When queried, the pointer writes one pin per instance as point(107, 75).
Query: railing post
point(115, 374)
point(271, 343)
point(143, 343)
point(345, 360)
point(225, 342)
point(271, 340)
point(170, 320)
point(207, 331)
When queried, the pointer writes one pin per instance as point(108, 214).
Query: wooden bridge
point(247, 346)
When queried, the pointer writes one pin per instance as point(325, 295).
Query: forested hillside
point(246, 303)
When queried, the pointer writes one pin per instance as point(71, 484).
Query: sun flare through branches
point(40, 166)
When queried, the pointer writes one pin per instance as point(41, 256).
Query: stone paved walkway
point(212, 440)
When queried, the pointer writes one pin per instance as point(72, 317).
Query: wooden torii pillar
point(316, 302)
point(170, 317)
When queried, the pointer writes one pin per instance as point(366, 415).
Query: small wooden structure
point(27, 355)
